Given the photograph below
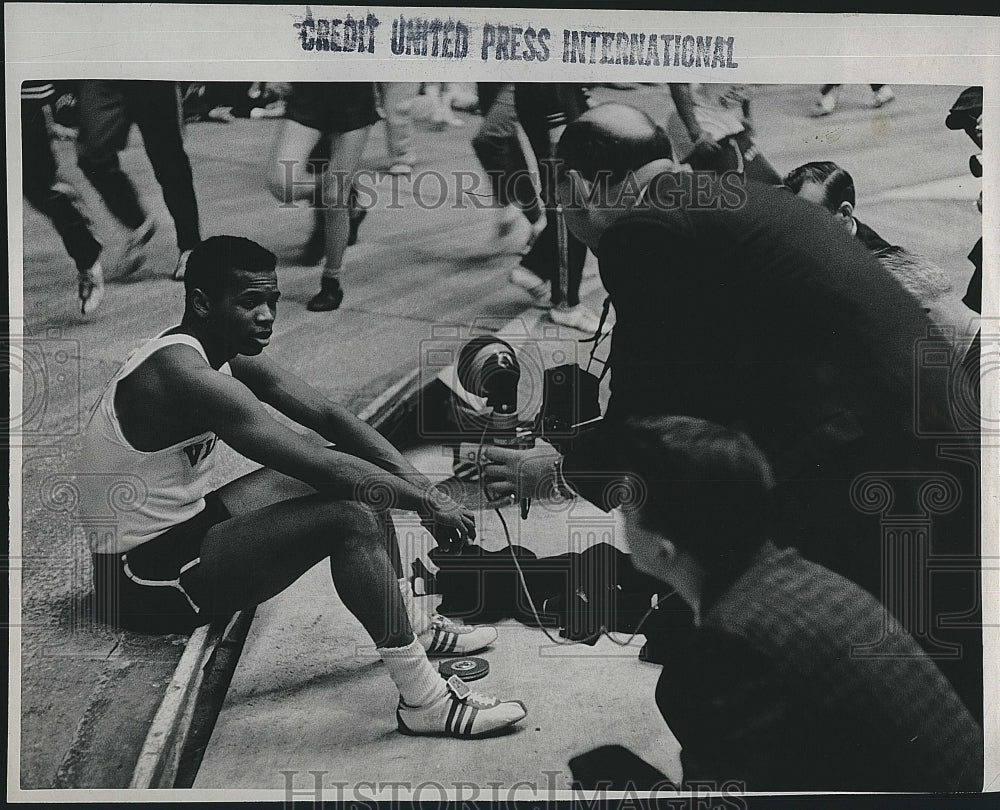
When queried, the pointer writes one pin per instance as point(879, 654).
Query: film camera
point(506, 388)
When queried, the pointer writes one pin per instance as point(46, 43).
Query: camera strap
point(598, 338)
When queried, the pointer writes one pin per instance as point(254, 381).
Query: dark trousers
point(107, 111)
point(557, 255)
point(54, 199)
point(499, 151)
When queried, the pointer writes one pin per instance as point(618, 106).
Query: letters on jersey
point(199, 451)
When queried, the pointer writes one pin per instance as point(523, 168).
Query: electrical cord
point(534, 609)
point(527, 592)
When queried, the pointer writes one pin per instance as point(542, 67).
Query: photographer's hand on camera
point(528, 473)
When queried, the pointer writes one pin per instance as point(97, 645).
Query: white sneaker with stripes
point(447, 637)
point(459, 712)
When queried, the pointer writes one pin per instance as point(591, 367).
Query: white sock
point(420, 617)
point(417, 681)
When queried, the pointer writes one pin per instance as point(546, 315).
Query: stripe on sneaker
point(451, 714)
point(435, 641)
point(472, 716)
point(452, 642)
point(458, 720)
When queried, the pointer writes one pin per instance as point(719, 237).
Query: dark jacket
point(869, 238)
point(768, 318)
point(774, 690)
point(771, 319)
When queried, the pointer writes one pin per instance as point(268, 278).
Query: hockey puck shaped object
point(468, 669)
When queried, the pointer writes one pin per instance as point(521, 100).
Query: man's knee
point(355, 522)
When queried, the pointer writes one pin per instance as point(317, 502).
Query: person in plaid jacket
point(792, 677)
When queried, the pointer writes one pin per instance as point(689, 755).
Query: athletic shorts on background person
point(141, 589)
point(332, 106)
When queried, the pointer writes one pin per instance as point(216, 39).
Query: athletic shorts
point(332, 106)
point(141, 589)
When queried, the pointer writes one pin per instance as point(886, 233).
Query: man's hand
point(520, 473)
point(451, 525)
point(705, 148)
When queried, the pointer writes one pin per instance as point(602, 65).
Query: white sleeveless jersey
point(128, 496)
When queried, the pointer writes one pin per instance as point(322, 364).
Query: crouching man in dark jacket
point(744, 305)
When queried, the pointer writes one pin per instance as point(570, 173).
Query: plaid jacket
point(767, 691)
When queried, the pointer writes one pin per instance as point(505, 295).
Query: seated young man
point(181, 553)
point(768, 689)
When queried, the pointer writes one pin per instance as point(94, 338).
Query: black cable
point(524, 584)
point(534, 610)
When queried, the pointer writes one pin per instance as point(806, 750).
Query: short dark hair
point(612, 140)
point(837, 183)
point(214, 260)
point(707, 488)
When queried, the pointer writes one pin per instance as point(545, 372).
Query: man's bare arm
point(226, 406)
point(681, 95)
point(684, 102)
point(299, 401)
